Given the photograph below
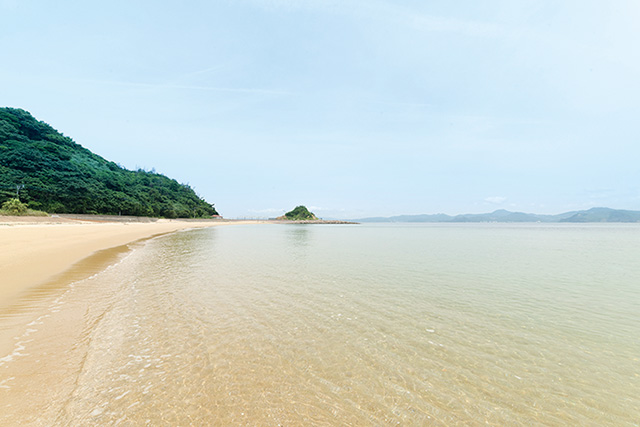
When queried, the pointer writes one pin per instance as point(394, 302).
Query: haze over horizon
point(352, 108)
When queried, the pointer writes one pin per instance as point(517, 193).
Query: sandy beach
point(39, 258)
point(33, 249)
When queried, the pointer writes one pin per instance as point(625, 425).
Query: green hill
point(300, 213)
point(54, 174)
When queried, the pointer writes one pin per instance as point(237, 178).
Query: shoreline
point(311, 221)
point(36, 249)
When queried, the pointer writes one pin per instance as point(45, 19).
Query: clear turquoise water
point(467, 324)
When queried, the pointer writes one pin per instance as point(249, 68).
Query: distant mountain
point(501, 215)
point(405, 218)
point(50, 172)
point(410, 218)
point(604, 215)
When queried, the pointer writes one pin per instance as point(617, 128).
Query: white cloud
point(9, 4)
point(384, 10)
point(266, 211)
point(319, 208)
point(188, 87)
point(495, 200)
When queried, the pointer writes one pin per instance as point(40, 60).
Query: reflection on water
point(298, 234)
point(343, 325)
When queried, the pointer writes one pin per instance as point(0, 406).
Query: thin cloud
point(190, 87)
point(201, 72)
point(405, 104)
point(389, 11)
point(266, 211)
point(321, 209)
point(496, 200)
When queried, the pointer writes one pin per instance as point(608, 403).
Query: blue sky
point(353, 108)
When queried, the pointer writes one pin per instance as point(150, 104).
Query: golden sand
point(38, 256)
point(35, 249)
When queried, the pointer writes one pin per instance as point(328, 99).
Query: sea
point(336, 325)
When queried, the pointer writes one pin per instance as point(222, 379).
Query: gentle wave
point(366, 325)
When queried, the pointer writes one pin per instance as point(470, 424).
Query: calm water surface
point(341, 325)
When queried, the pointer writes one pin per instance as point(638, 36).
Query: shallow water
point(340, 325)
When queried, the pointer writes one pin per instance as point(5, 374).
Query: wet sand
point(39, 257)
point(34, 249)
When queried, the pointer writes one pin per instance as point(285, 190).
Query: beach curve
point(33, 250)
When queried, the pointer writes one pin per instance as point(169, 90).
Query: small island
point(299, 213)
point(302, 215)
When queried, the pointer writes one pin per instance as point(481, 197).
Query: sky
point(354, 108)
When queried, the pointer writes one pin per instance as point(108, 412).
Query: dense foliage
point(50, 172)
point(15, 207)
point(300, 213)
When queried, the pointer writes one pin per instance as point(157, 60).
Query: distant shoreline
point(592, 215)
point(309, 221)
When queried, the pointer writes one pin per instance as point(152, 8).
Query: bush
point(14, 207)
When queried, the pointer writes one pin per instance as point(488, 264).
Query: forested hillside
point(54, 174)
